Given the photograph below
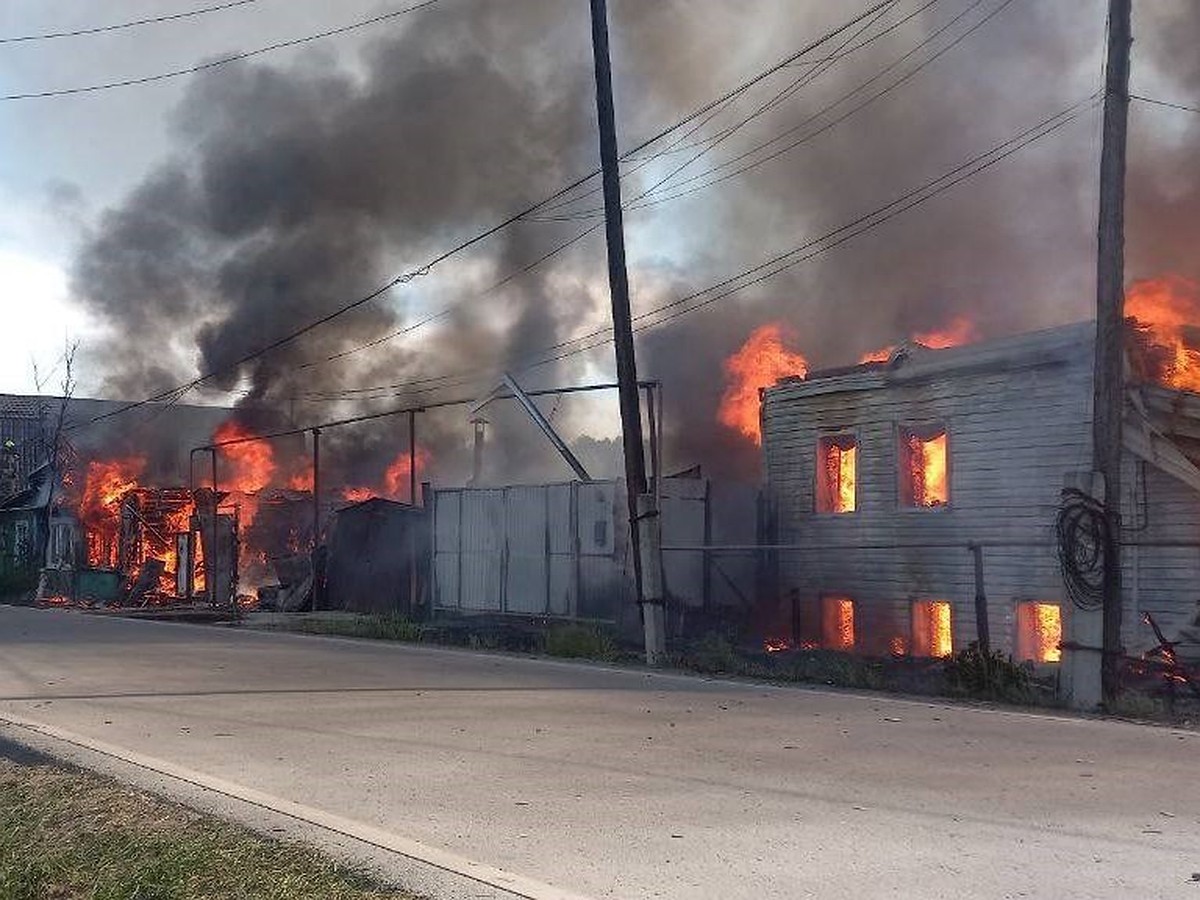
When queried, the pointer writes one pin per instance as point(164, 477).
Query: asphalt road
point(594, 782)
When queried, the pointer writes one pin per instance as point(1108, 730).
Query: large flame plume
point(760, 362)
point(1166, 314)
point(106, 482)
point(961, 330)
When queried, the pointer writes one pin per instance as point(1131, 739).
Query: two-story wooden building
point(893, 485)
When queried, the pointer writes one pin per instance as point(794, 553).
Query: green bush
point(580, 642)
point(713, 654)
point(988, 676)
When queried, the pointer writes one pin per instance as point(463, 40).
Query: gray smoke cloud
point(294, 188)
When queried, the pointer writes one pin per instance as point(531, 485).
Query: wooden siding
point(1016, 429)
point(1163, 581)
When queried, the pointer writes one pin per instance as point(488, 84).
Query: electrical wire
point(844, 116)
point(679, 187)
point(120, 26)
point(787, 92)
point(220, 61)
point(840, 53)
point(1166, 103)
point(523, 214)
point(820, 245)
point(804, 252)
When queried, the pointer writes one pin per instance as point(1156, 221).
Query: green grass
point(67, 835)
point(581, 642)
point(376, 627)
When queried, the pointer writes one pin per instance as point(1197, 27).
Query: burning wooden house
point(914, 500)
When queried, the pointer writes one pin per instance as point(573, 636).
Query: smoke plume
point(295, 187)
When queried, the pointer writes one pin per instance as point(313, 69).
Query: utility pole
point(643, 512)
point(316, 512)
point(1109, 375)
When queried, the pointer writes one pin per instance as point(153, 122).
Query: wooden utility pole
point(643, 513)
point(1109, 375)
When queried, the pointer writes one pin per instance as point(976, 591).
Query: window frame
point(1017, 631)
point(913, 603)
point(823, 439)
point(826, 597)
point(904, 429)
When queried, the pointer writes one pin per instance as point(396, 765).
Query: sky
point(171, 228)
point(65, 159)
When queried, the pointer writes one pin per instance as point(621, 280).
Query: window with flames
point(932, 632)
point(837, 623)
point(1039, 632)
point(924, 471)
point(837, 474)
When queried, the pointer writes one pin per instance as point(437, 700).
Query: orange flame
point(1039, 632)
point(302, 480)
point(249, 466)
point(838, 479)
point(105, 483)
point(1163, 310)
point(837, 623)
point(927, 471)
point(961, 330)
point(396, 478)
point(357, 494)
point(932, 634)
point(760, 362)
point(776, 645)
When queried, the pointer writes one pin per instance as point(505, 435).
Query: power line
point(1166, 103)
point(704, 145)
point(850, 112)
point(681, 191)
point(804, 252)
point(779, 97)
point(868, 20)
point(170, 395)
point(834, 238)
point(136, 23)
point(221, 61)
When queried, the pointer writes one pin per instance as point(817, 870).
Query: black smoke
point(296, 186)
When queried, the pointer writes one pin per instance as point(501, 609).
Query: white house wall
point(1013, 434)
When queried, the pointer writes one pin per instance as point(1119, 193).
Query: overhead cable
point(120, 26)
point(523, 214)
point(778, 263)
point(1166, 103)
point(218, 62)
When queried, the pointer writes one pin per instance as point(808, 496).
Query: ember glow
point(247, 467)
point(925, 479)
point(759, 363)
point(960, 331)
point(396, 478)
point(1039, 632)
point(776, 645)
point(105, 483)
point(1166, 314)
point(931, 632)
point(837, 623)
point(838, 478)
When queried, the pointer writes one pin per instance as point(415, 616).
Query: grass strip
point(70, 835)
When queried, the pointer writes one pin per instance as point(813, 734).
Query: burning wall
point(950, 448)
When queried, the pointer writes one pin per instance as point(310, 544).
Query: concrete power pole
point(1109, 375)
point(643, 513)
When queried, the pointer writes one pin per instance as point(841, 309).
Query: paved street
point(607, 783)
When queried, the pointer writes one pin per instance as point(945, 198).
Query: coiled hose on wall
point(1083, 539)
